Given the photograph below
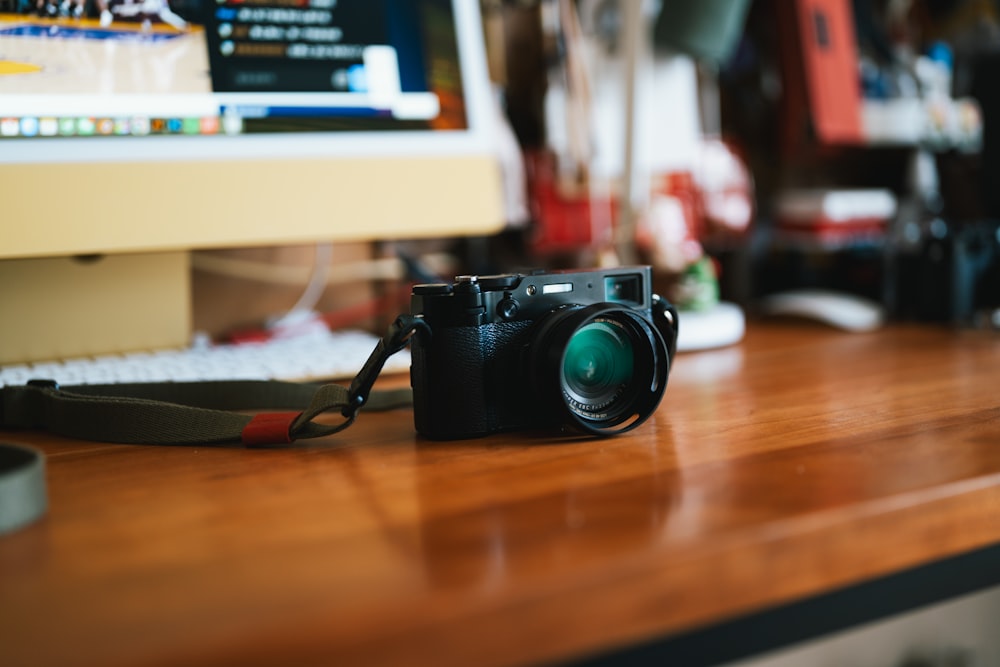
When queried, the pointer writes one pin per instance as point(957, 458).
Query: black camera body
point(591, 349)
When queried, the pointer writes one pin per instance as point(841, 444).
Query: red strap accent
point(269, 428)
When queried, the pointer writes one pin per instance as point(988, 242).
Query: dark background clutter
point(763, 89)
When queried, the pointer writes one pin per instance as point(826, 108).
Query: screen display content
point(86, 68)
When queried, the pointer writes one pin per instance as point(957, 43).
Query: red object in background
point(824, 230)
point(669, 230)
point(820, 57)
point(726, 192)
point(681, 185)
point(568, 217)
point(712, 201)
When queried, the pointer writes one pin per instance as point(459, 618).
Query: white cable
point(304, 309)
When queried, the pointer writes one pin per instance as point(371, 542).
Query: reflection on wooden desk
point(798, 462)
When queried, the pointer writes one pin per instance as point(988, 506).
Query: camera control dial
point(467, 285)
point(507, 307)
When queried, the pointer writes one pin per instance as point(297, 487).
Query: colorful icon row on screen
point(85, 126)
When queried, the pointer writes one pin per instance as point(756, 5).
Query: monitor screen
point(135, 131)
point(137, 125)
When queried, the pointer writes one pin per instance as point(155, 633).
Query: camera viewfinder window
point(623, 289)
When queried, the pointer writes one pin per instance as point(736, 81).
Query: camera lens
point(602, 367)
point(597, 365)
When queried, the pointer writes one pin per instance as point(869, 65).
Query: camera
point(586, 349)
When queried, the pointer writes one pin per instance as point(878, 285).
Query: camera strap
point(188, 413)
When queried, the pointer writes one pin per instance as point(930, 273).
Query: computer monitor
point(133, 131)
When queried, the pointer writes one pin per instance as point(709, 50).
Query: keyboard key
point(314, 356)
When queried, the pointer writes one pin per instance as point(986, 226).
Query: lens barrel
point(603, 367)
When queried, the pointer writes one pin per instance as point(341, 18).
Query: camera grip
point(449, 393)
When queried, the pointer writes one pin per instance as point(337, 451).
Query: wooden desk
point(799, 462)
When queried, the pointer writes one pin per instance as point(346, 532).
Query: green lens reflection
point(597, 363)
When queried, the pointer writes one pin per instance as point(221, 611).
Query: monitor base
point(65, 307)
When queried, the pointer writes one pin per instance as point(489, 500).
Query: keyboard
point(307, 357)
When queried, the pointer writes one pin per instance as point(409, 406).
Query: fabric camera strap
point(181, 413)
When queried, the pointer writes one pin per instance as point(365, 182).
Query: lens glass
point(597, 366)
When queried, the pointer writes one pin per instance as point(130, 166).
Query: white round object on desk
point(722, 324)
point(837, 309)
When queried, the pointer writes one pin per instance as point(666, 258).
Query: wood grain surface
point(795, 463)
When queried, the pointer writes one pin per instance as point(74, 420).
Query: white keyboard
point(312, 356)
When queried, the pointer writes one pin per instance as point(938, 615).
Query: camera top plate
point(476, 300)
